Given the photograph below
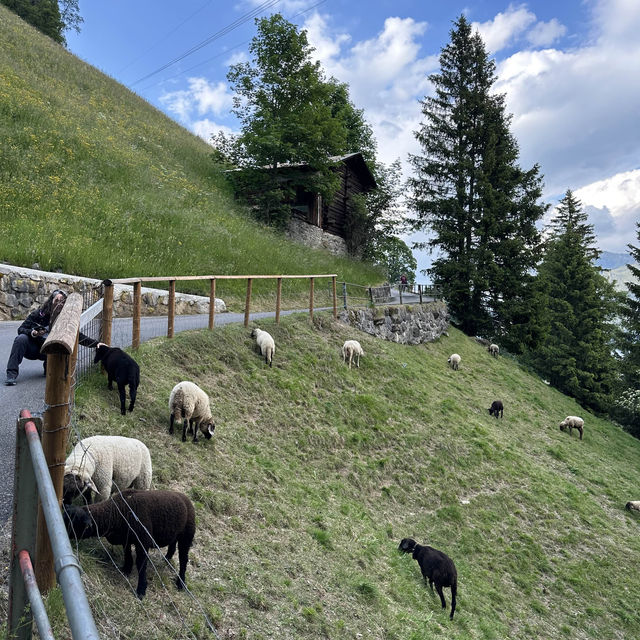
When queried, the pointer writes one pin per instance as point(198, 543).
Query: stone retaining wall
point(315, 237)
point(405, 324)
point(22, 290)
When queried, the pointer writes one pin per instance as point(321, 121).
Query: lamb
point(496, 408)
point(454, 361)
point(634, 504)
point(572, 422)
point(266, 344)
point(494, 350)
point(189, 403)
point(122, 368)
point(143, 518)
point(435, 565)
point(350, 349)
point(98, 462)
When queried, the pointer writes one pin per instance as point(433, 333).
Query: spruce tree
point(576, 355)
point(469, 193)
point(630, 312)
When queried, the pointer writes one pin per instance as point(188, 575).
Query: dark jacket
point(39, 319)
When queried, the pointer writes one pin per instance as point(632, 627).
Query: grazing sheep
point(189, 403)
point(494, 350)
point(122, 368)
point(496, 408)
point(266, 344)
point(634, 504)
point(454, 361)
point(350, 349)
point(99, 462)
point(144, 519)
point(572, 422)
point(438, 567)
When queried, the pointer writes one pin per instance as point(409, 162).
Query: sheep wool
point(98, 462)
point(189, 403)
point(266, 344)
point(494, 350)
point(573, 422)
point(144, 519)
point(351, 349)
point(454, 360)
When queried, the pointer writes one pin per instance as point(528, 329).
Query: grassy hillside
point(95, 181)
point(316, 472)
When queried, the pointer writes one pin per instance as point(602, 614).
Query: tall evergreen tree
point(469, 193)
point(631, 322)
point(576, 355)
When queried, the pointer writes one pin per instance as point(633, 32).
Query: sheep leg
point(171, 421)
point(358, 361)
point(184, 430)
point(442, 600)
point(454, 590)
point(171, 550)
point(133, 392)
point(141, 565)
point(196, 428)
point(128, 559)
point(123, 397)
point(109, 382)
point(183, 554)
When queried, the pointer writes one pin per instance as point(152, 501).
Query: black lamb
point(122, 368)
point(438, 567)
point(140, 518)
point(496, 408)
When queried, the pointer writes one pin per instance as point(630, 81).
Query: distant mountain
point(610, 260)
point(619, 276)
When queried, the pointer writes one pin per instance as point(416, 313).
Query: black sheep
point(438, 567)
point(496, 408)
point(122, 368)
point(143, 518)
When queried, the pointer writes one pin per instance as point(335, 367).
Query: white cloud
point(505, 27)
point(206, 129)
point(202, 97)
point(544, 34)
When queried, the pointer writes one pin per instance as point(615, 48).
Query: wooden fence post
point(311, 300)
point(371, 296)
point(278, 300)
point(212, 304)
point(107, 313)
point(247, 305)
point(344, 294)
point(137, 303)
point(172, 309)
point(420, 292)
point(400, 292)
point(61, 349)
point(335, 297)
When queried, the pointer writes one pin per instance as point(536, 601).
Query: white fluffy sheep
point(266, 344)
point(494, 350)
point(350, 349)
point(633, 504)
point(189, 403)
point(572, 422)
point(454, 361)
point(99, 462)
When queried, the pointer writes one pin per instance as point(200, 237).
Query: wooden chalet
point(330, 216)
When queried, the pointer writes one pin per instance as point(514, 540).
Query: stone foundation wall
point(315, 237)
point(404, 324)
point(22, 290)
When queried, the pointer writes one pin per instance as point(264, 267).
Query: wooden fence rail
point(107, 319)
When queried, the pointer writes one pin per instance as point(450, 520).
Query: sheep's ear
point(210, 429)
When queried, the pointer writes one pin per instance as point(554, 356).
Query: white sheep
point(572, 422)
point(98, 462)
point(350, 349)
point(633, 504)
point(454, 361)
point(494, 350)
point(266, 344)
point(189, 403)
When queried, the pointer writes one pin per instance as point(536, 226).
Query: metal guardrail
point(356, 295)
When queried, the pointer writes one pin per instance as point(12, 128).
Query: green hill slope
point(316, 472)
point(95, 181)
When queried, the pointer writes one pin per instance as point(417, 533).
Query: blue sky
point(570, 71)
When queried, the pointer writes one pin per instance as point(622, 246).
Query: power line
point(218, 55)
point(166, 35)
point(234, 25)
